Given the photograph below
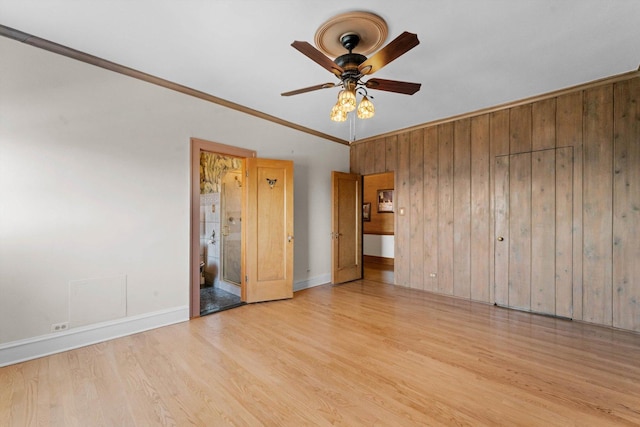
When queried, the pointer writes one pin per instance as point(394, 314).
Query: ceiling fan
point(351, 67)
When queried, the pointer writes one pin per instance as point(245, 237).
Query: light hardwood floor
point(359, 354)
point(378, 272)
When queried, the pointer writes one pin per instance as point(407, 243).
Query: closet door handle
point(500, 239)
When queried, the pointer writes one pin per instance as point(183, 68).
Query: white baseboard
point(310, 283)
point(44, 345)
point(32, 348)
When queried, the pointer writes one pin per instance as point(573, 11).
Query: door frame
point(197, 146)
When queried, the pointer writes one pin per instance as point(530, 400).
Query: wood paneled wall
point(444, 180)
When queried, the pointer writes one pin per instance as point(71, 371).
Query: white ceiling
point(473, 53)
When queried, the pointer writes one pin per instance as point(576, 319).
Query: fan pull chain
point(352, 128)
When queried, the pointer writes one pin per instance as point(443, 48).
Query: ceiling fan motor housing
point(350, 61)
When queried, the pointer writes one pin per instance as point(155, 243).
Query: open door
point(346, 222)
point(267, 230)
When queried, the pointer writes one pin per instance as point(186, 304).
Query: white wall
point(378, 245)
point(94, 184)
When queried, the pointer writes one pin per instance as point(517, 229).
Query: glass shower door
point(231, 216)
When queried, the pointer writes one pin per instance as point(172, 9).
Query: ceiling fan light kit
point(347, 100)
point(365, 109)
point(337, 114)
point(359, 33)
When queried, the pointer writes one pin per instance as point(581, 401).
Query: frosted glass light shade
point(366, 109)
point(347, 100)
point(337, 114)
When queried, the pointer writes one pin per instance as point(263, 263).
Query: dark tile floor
point(214, 299)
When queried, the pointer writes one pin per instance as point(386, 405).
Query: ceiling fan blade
point(406, 88)
point(314, 54)
point(397, 47)
point(309, 89)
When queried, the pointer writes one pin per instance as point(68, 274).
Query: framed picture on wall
point(366, 211)
point(385, 201)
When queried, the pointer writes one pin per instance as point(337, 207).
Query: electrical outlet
point(59, 327)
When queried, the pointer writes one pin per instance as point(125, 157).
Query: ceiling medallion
point(370, 28)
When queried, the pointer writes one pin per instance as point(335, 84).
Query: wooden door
point(533, 241)
point(346, 231)
point(267, 230)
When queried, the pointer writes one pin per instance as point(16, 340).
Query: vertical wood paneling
point(445, 208)
point(520, 231)
point(543, 232)
point(354, 161)
point(596, 202)
point(369, 157)
point(564, 230)
point(498, 146)
point(402, 195)
point(416, 172)
point(597, 205)
point(362, 151)
point(391, 143)
point(354, 167)
point(520, 129)
point(462, 208)
point(430, 216)
point(626, 206)
point(480, 239)
point(543, 128)
point(569, 134)
point(380, 156)
point(499, 133)
point(501, 238)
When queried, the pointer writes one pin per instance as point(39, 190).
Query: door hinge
point(246, 279)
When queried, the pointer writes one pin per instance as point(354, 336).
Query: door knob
point(500, 239)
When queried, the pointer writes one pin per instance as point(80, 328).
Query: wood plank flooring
point(359, 354)
point(378, 272)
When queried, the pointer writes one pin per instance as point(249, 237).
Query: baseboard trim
point(33, 348)
point(44, 345)
point(312, 282)
point(377, 260)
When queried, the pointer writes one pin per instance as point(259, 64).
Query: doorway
point(265, 218)
point(378, 223)
point(220, 218)
point(216, 199)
